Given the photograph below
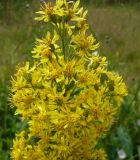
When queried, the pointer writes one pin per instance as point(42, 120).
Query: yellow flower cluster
point(68, 97)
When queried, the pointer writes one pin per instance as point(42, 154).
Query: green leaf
point(124, 140)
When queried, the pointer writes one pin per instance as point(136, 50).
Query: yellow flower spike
point(68, 97)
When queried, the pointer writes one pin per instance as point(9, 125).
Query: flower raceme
point(67, 97)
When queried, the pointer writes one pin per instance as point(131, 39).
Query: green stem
point(61, 33)
point(63, 41)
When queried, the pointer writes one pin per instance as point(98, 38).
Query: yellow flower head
point(46, 46)
point(84, 44)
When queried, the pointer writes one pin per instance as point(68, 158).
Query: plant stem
point(63, 41)
point(61, 33)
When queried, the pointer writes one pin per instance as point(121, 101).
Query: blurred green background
point(116, 25)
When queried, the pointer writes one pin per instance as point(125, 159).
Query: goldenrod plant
point(67, 96)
